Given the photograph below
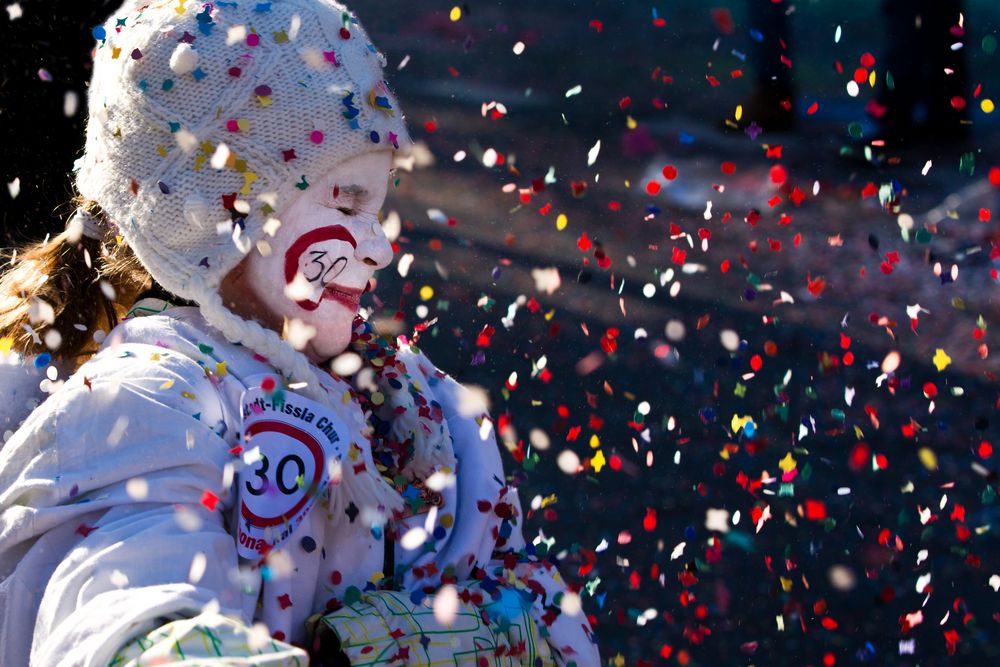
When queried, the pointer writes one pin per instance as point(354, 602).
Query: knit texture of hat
point(207, 119)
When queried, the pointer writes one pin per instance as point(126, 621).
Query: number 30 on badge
point(289, 441)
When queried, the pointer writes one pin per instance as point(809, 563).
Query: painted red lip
point(347, 296)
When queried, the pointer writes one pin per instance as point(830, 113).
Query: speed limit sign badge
point(288, 441)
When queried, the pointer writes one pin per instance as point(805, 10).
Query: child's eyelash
point(347, 210)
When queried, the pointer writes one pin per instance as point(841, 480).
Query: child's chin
point(327, 345)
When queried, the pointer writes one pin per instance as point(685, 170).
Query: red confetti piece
point(815, 286)
point(995, 177)
point(778, 174)
point(209, 500)
point(653, 188)
point(670, 172)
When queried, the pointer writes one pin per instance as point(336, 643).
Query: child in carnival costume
point(202, 489)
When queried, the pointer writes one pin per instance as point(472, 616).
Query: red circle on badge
point(314, 448)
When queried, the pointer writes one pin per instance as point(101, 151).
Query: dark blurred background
point(824, 264)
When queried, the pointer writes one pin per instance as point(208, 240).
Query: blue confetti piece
point(262, 7)
point(198, 74)
point(142, 85)
point(685, 138)
point(43, 360)
point(352, 111)
point(99, 33)
point(205, 22)
point(174, 127)
point(168, 84)
point(374, 137)
point(756, 35)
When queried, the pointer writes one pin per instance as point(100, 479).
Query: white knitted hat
point(206, 119)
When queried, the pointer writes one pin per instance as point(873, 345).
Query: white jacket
point(104, 533)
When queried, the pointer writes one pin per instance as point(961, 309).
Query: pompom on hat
point(207, 118)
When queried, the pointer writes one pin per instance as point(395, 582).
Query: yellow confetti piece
point(426, 293)
point(446, 521)
point(928, 458)
point(561, 221)
point(788, 463)
point(630, 123)
point(739, 422)
point(155, 356)
point(456, 13)
point(549, 500)
point(598, 461)
point(378, 398)
point(220, 369)
point(871, 79)
point(987, 106)
point(265, 100)
point(376, 577)
point(595, 442)
point(248, 178)
point(161, 150)
point(115, 52)
point(941, 360)
point(5, 344)
point(739, 111)
point(786, 584)
point(167, 385)
point(188, 395)
point(619, 660)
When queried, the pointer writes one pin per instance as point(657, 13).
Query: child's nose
point(375, 252)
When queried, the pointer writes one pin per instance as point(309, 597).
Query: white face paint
point(323, 257)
